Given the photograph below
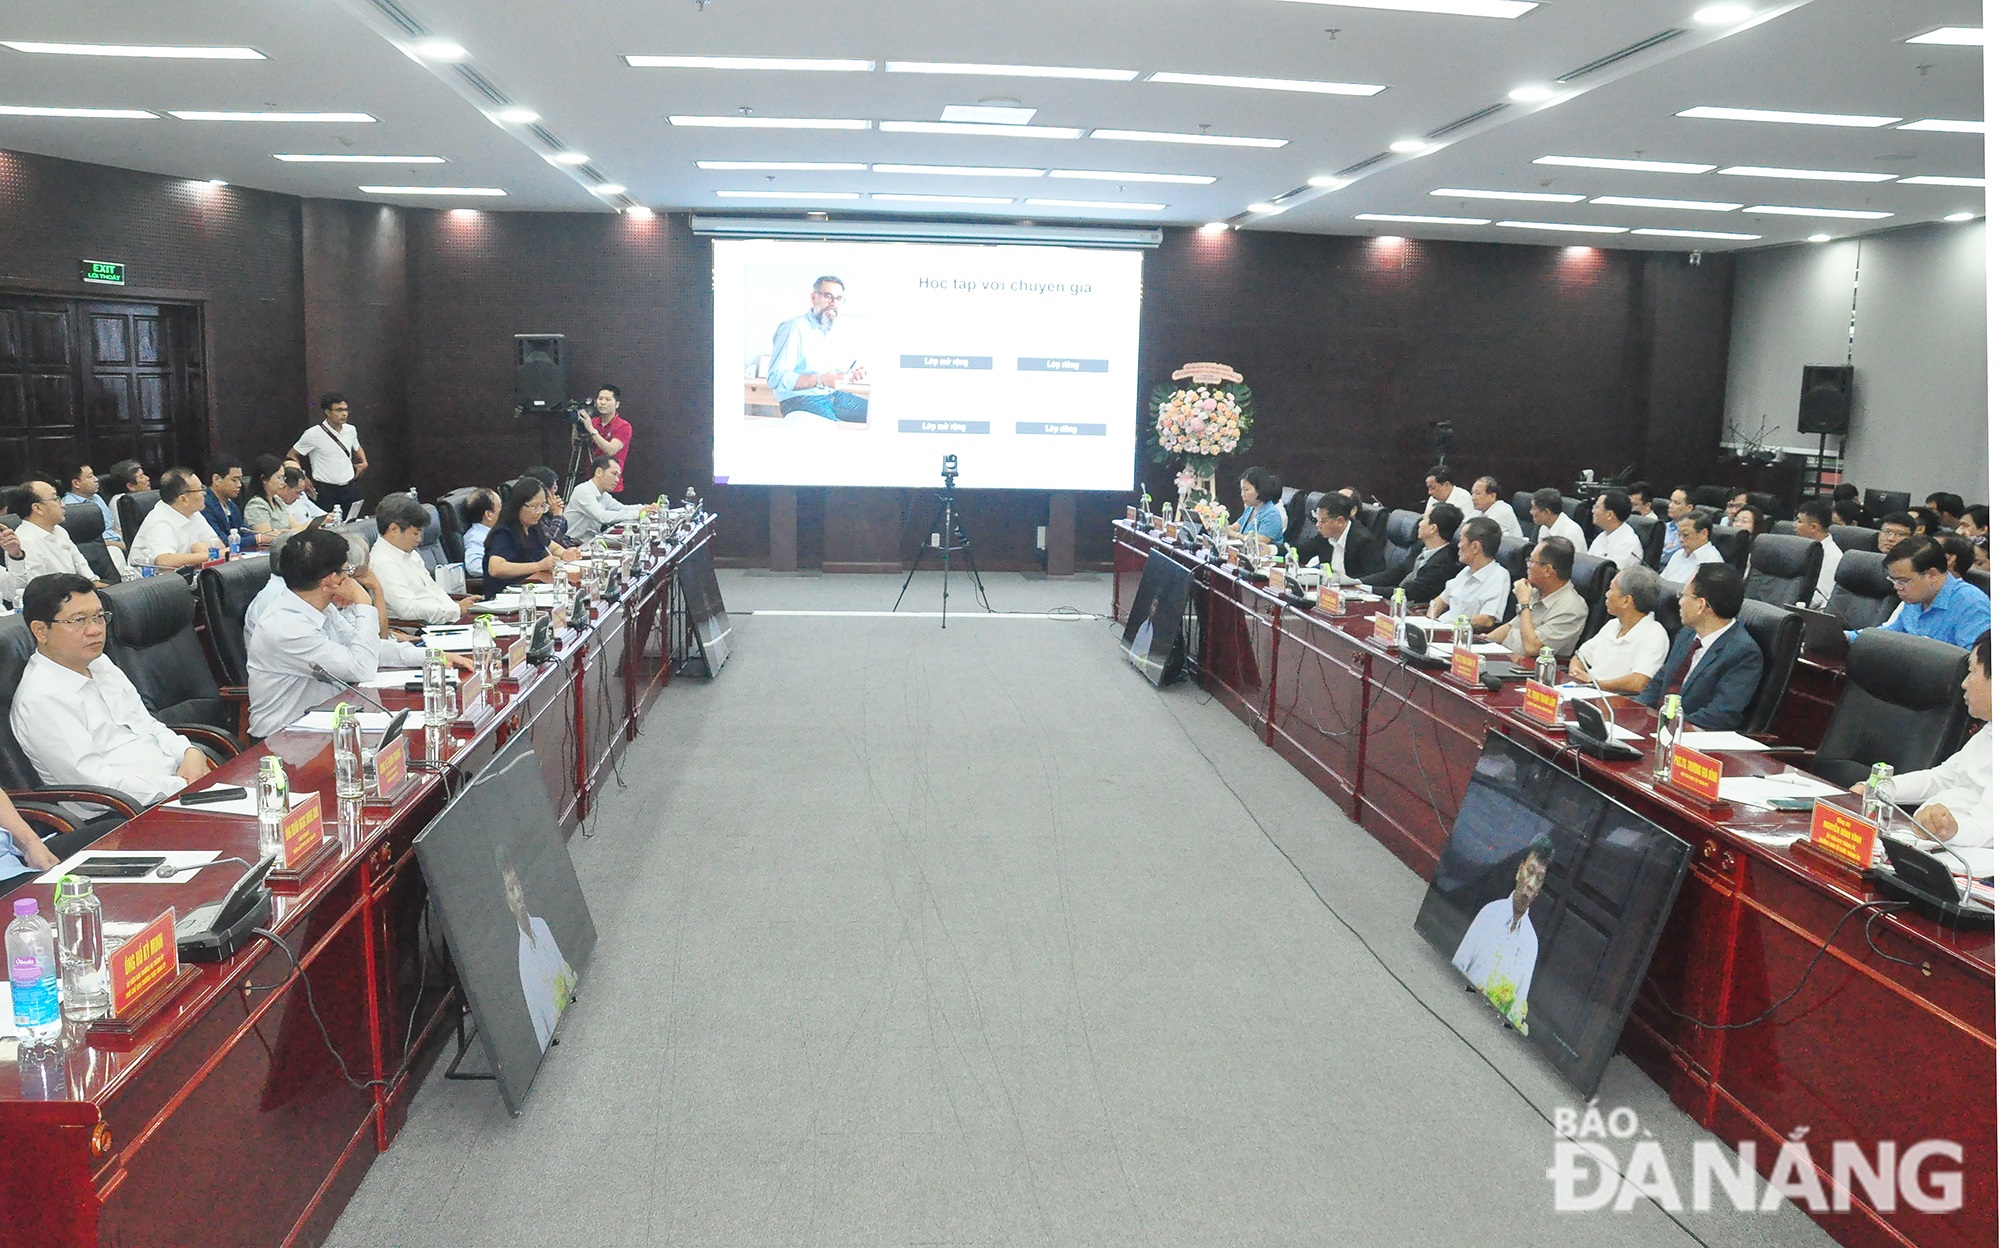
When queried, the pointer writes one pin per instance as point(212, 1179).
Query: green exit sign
point(104, 272)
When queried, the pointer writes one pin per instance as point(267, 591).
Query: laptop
point(1825, 634)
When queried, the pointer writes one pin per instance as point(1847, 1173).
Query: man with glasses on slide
point(812, 359)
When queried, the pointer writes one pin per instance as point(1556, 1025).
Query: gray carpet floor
point(970, 936)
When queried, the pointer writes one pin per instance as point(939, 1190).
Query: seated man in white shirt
point(1633, 643)
point(408, 588)
point(1486, 501)
point(77, 717)
point(1954, 800)
point(22, 854)
point(591, 508)
point(330, 620)
point(1615, 539)
point(1815, 521)
point(47, 545)
point(1479, 591)
point(1437, 484)
point(13, 571)
point(1546, 510)
point(1696, 547)
point(174, 534)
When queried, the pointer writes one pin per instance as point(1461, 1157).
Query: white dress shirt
point(49, 551)
point(12, 583)
point(168, 532)
point(1567, 529)
point(1829, 563)
point(1473, 593)
point(329, 458)
point(1503, 514)
point(1460, 498)
point(94, 730)
point(591, 511)
point(408, 588)
point(304, 510)
point(1638, 651)
point(1620, 545)
point(1681, 568)
point(1962, 784)
point(291, 638)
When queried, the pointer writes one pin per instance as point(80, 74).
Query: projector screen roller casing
point(1020, 360)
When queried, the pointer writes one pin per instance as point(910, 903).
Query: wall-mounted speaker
point(541, 372)
point(1826, 394)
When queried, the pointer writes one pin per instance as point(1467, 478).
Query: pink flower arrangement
point(1203, 423)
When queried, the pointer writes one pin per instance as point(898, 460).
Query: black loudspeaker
point(541, 372)
point(1825, 395)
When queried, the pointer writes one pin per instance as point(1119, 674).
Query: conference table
point(218, 1116)
point(1871, 1049)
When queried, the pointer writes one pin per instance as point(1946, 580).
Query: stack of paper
point(1760, 791)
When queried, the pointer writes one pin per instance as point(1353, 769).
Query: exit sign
point(104, 272)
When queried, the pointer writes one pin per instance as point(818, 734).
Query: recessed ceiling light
point(220, 182)
point(1564, 227)
point(1960, 36)
point(897, 197)
point(440, 50)
point(962, 171)
point(1413, 219)
point(138, 49)
point(792, 166)
point(1163, 136)
point(1788, 210)
point(1959, 216)
point(1009, 71)
point(968, 127)
point(1100, 205)
point(1940, 180)
point(567, 158)
point(464, 214)
point(1409, 147)
point(1722, 235)
point(1326, 182)
point(1267, 84)
point(1804, 175)
point(988, 114)
point(1947, 127)
point(1452, 8)
point(1819, 238)
point(1531, 94)
point(771, 123)
point(1215, 227)
point(1721, 14)
point(608, 188)
point(343, 158)
point(1687, 205)
point(1537, 197)
point(1856, 120)
point(795, 63)
point(1612, 162)
point(804, 197)
point(205, 115)
point(432, 190)
point(1264, 209)
point(517, 116)
point(640, 211)
point(37, 110)
point(1116, 175)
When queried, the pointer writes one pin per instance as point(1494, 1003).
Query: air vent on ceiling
point(480, 84)
point(543, 133)
point(1292, 194)
point(1465, 121)
point(394, 12)
point(1604, 62)
point(1359, 165)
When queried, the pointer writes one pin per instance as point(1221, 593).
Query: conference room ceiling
point(1445, 79)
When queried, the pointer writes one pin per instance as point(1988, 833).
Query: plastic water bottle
point(274, 797)
point(31, 974)
point(1668, 736)
point(1875, 804)
point(1145, 504)
point(347, 780)
point(214, 551)
point(1545, 667)
point(1399, 610)
point(236, 543)
point(485, 654)
point(1461, 631)
point(437, 689)
point(86, 983)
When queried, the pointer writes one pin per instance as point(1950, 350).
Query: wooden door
point(38, 385)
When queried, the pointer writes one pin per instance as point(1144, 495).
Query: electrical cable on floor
point(312, 1008)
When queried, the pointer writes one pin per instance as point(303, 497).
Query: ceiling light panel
point(1634, 166)
point(1790, 210)
point(206, 115)
point(802, 197)
point(962, 171)
point(1163, 136)
point(1859, 121)
point(1718, 235)
point(1960, 36)
point(441, 50)
point(1449, 8)
point(1267, 84)
point(770, 123)
point(989, 114)
point(1945, 126)
point(976, 128)
point(43, 110)
point(1095, 205)
point(342, 158)
point(137, 50)
point(784, 166)
point(792, 64)
point(970, 69)
point(1804, 175)
point(1678, 205)
point(1941, 180)
point(489, 191)
point(1411, 219)
point(1563, 227)
point(1721, 14)
point(1115, 175)
point(1535, 197)
point(1960, 217)
point(898, 197)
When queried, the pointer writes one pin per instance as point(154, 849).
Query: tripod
point(951, 534)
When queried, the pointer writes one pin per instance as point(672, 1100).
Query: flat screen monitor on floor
point(1155, 631)
point(1550, 898)
point(709, 618)
point(520, 931)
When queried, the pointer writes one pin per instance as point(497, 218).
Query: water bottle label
point(34, 993)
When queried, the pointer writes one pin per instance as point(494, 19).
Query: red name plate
point(469, 693)
point(304, 830)
point(1697, 773)
point(1844, 834)
point(1277, 577)
point(392, 763)
point(1542, 704)
point(1465, 665)
point(1330, 599)
point(144, 964)
point(517, 654)
point(1385, 630)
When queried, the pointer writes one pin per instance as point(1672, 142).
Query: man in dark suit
point(1714, 666)
point(1340, 541)
point(1422, 573)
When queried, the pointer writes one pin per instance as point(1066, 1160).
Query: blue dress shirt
point(1959, 614)
point(1265, 520)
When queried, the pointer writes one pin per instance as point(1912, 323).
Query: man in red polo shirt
point(609, 432)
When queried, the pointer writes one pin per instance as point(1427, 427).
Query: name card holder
point(306, 846)
point(1841, 839)
point(1541, 704)
point(392, 773)
point(517, 655)
point(1331, 600)
point(471, 695)
point(146, 973)
point(1697, 775)
point(1385, 632)
point(1464, 665)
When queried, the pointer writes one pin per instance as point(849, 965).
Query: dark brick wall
point(357, 326)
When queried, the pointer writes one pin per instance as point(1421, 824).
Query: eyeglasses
point(820, 294)
point(1903, 582)
point(85, 621)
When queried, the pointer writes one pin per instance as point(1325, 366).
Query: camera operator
point(609, 433)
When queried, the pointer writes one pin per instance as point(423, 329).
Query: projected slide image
point(866, 363)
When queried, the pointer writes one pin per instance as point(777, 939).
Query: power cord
point(312, 1007)
point(1807, 974)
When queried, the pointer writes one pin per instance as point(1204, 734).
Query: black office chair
point(1716, 496)
point(1901, 705)
point(431, 547)
point(63, 832)
point(1371, 514)
point(1652, 534)
point(452, 524)
point(1299, 516)
point(1733, 544)
point(1579, 509)
point(1513, 556)
point(1524, 509)
point(1981, 581)
point(132, 511)
point(1780, 634)
point(1862, 596)
point(1592, 575)
point(1768, 505)
point(1784, 571)
point(226, 591)
point(1400, 534)
point(1785, 528)
point(1879, 503)
point(363, 530)
point(85, 525)
point(152, 640)
point(1854, 537)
